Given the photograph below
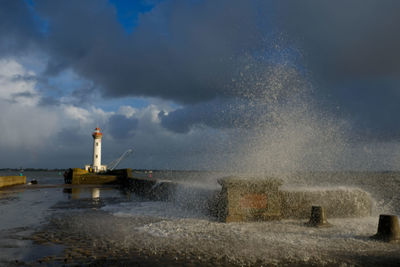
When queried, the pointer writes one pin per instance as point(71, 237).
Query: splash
point(280, 128)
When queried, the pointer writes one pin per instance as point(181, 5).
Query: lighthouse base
point(80, 176)
point(90, 168)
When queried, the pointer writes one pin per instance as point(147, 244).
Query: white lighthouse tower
point(96, 166)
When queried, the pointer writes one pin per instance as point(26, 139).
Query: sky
point(201, 84)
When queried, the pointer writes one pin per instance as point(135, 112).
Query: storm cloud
point(188, 51)
point(122, 127)
point(181, 51)
point(193, 52)
point(223, 64)
point(346, 39)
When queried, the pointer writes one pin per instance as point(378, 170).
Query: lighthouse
point(96, 166)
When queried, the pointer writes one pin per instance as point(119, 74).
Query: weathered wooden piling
point(388, 229)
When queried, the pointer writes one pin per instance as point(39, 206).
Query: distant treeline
point(61, 170)
point(32, 169)
point(156, 170)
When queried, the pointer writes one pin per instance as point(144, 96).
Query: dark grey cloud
point(121, 127)
point(23, 94)
point(371, 107)
point(182, 51)
point(261, 97)
point(195, 52)
point(15, 97)
point(48, 101)
point(24, 78)
point(262, 92)
point(71, 137)
point(17, 28)
point(346, 39)
point(351, 47)
point(217, 113)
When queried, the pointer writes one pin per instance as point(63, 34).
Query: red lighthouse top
point(97, 134)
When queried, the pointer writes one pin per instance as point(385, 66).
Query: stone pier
point(12, 180)
point(81, 176)
point(239, 198)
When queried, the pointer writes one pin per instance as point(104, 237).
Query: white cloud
point(17, 84)
point(76, 113)
point(30, 130)
point(25, 126)
point(127, 111)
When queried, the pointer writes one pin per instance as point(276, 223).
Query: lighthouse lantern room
point(96, 166)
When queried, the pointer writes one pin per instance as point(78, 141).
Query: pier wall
point(81, 176)
point(185, 195)
point(154, 189)
point(239, 198)
point(243, 199)
point(12, 180)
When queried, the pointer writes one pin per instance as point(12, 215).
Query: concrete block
point(249, 199)
point(12, 180)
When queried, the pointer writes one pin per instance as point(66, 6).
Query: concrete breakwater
point(255, 198)
point(12, 180)
point(238, 198)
